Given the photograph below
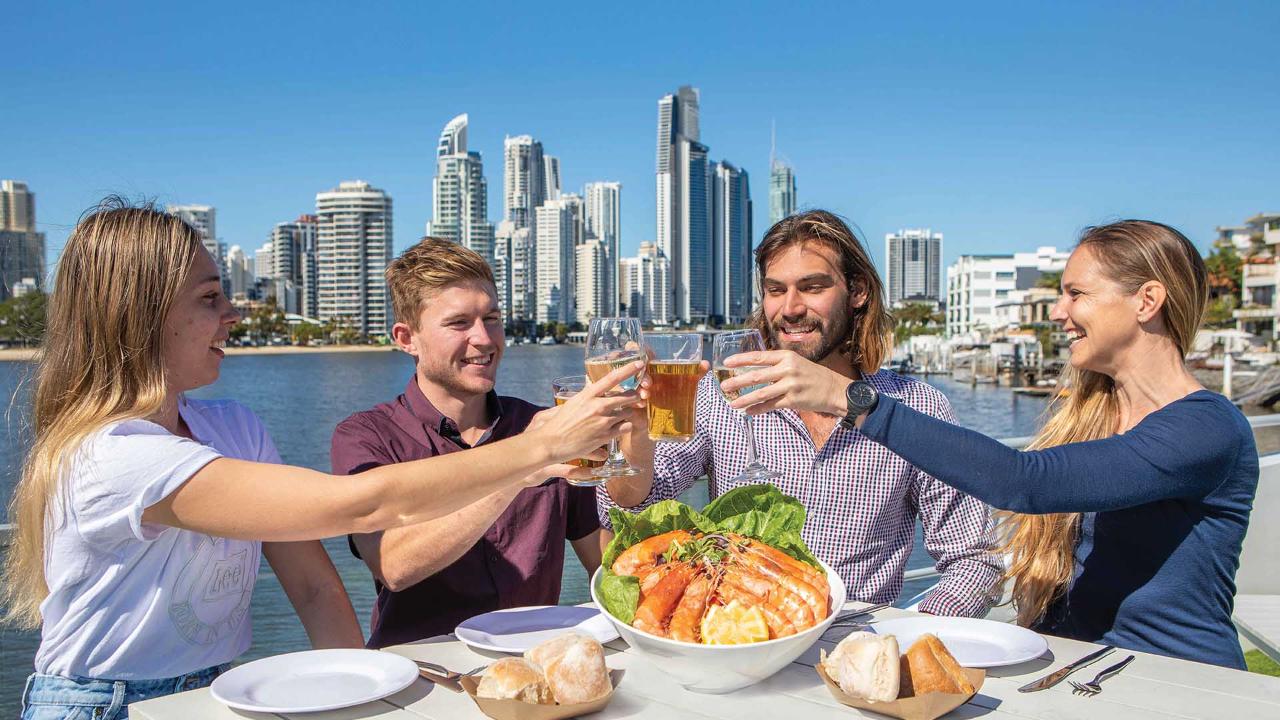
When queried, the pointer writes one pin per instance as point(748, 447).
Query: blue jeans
point(53, 697)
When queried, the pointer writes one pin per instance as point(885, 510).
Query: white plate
point(975, 643)
point(519, 629)
point(314, 680)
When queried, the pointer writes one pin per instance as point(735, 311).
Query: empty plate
point(519, 629)
point(314, 680)
point(975, 643)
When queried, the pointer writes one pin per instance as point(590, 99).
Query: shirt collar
point(425, 412)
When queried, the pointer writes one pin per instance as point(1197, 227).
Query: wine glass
point(728, 344)
point(565, 388)
point(611, 343)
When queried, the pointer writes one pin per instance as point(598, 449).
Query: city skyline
point(1019, 137)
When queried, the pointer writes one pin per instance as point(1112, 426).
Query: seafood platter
point(720, 598)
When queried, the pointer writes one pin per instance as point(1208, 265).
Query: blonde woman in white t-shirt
point(139, 514)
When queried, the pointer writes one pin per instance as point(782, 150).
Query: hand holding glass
point(728, 344)
point(565, 388)
point(675, 367)
point(611, 343)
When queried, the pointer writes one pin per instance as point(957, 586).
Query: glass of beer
point(565, 388)
point(675, 367)
point(728, 344)
point(611, 343)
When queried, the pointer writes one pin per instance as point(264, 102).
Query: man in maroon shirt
point(507, 550)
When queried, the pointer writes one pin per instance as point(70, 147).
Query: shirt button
point(493, 558)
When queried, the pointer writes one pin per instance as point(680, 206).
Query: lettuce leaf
point(760, 512)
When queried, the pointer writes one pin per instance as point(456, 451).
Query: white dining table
point(1151, 687)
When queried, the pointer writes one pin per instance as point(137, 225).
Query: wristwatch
point(862, 399)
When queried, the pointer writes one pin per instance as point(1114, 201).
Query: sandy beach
point(26, 354)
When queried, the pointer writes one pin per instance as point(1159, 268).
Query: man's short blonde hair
point(427, 268)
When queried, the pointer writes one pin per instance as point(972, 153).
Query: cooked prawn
point(645, 554)
point(734, 587)
point(817, 598)
point(777, 596)
point(686, 618)
point(655, 610)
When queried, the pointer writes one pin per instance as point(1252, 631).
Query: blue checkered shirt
point(862, 499)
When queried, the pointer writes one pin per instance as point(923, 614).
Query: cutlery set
point(1088, 689)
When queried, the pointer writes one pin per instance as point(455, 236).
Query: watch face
point(861, 395)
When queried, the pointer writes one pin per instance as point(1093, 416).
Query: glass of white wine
point(728, 344)
point(611, 343)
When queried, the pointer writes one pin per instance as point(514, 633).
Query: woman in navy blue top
point(1125, 520)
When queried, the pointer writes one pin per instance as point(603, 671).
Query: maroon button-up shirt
point(519, 560)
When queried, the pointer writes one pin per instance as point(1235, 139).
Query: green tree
point(1051, 280)
point(22, 319)
point(1224, 266)
point(916, 319)
point(1218, 314)
point(304, 332)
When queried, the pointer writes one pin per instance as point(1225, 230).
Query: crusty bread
point(515, 678)
point(865, 665)
point(574, 668)
point(929, 667)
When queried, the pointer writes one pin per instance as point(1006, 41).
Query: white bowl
point(723, 668)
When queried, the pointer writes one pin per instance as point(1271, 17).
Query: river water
point(301, 398)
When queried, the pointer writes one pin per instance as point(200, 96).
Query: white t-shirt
point(132, 601)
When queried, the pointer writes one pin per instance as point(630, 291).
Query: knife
point(440, 680)
point(1058, 676)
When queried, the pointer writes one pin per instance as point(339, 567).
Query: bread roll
point(515, 679)
point(574, 667)
point(929, 667)
point(865, 665)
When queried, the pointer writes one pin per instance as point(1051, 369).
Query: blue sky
point(1002, 125)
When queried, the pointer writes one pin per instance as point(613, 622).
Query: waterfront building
point(1259, 311)
point(240, 275)
point(604, 222)
point(556, 254)
point(589, 281)
point(977, 284)
point(524, 172)
point(21, 246)
point(913, 266)
point(293, 259)
point(683, 200)
point(353, 249)
point(1031, 306)
point(782, 186)
point(524, 275)
point(264, 261)
point(645, 286)
point(460, 194)
point(204, 218)
point(551, 177)
point(730, 244)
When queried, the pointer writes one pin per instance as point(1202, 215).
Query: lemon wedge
point(733, 624)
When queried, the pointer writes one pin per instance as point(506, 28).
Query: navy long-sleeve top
point(1166, 508)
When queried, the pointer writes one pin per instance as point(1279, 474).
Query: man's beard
point(832, 334)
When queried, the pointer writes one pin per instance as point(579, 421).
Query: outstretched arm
point(245, 500)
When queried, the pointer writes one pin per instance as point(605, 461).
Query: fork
point(446, 673)
point(1094, 686)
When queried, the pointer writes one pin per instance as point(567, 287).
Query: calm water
point(302, 397)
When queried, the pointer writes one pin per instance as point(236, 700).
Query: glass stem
point(752, 459)
point(616, 458)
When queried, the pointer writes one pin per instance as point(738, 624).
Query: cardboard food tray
point(516, 710)
point(920, 707)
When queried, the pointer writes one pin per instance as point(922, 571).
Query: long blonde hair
point(1131, 252)
point(102, 361)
